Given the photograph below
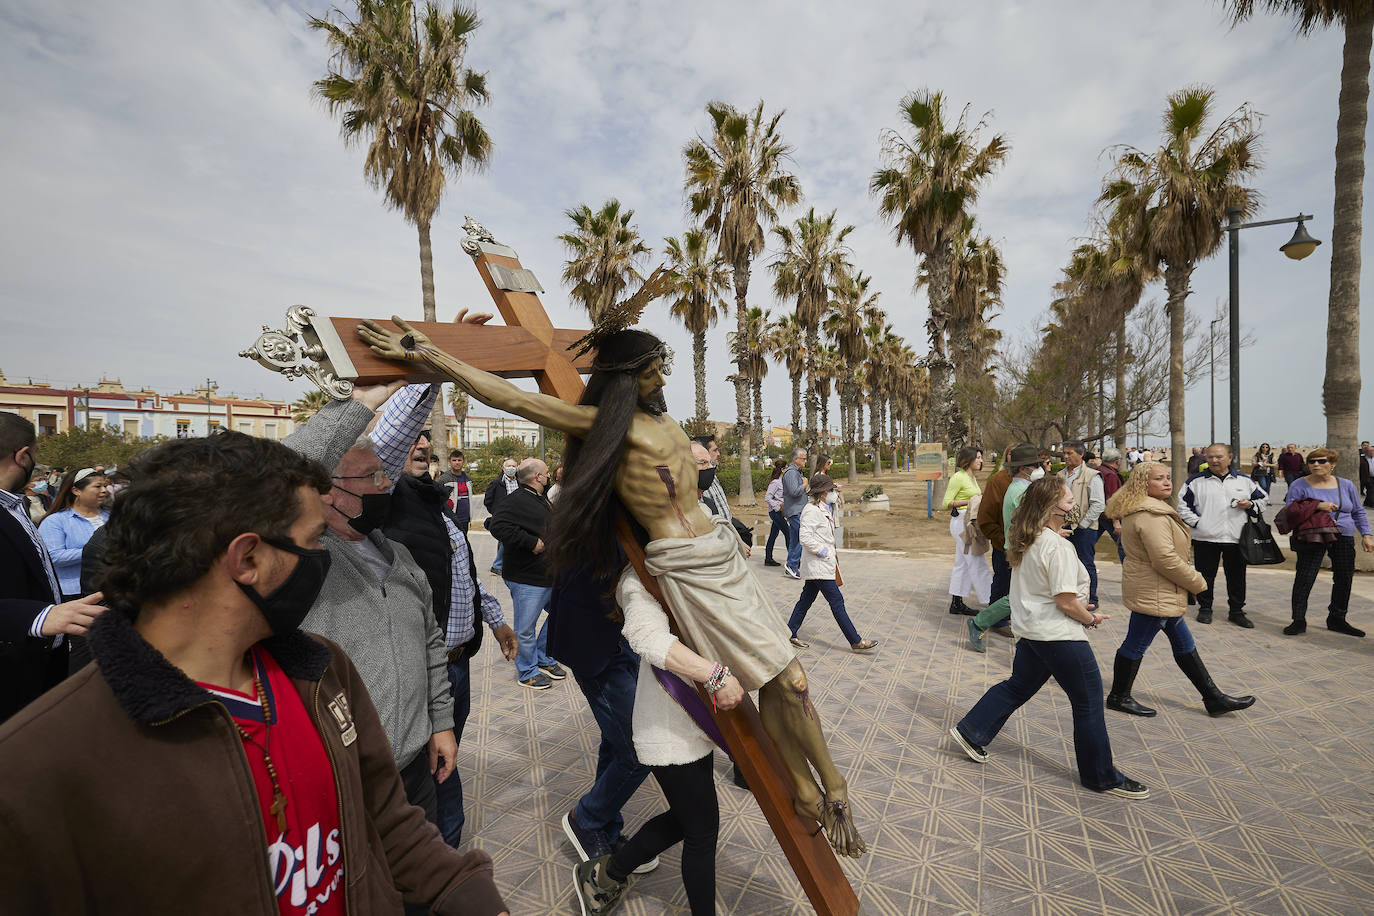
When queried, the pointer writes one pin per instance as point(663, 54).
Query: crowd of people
point(299, 645)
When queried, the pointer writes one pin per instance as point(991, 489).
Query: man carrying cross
point(625, 451)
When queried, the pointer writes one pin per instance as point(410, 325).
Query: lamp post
point(1212, 355)
point(1298, 247)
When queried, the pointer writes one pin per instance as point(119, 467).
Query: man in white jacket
point(1215, 504)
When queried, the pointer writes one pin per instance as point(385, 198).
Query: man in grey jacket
point(376, 601)
point(793, 501)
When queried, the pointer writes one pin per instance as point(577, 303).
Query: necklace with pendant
point(278, 806)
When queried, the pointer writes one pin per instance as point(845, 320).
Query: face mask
point(832, 497)
point(1037, 473)
point(705, 477)
point(41, 487)
point(376, 507)
point(285, 608)
point(509, 472)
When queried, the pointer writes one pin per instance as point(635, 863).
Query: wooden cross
point(531, 347)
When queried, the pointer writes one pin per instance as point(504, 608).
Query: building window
point(130, 428)
point(183, 429)
point(246, 427)
point(47, 424)
point(269, 430)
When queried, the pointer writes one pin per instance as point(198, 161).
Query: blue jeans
point(794, 544)
point(779, 527)
point(611, 696)
point(831, 591)
point(1142, 629)
point(1072, 665)
point(528, 601)
point(1001, 576)
point(450, 791)
point(1084, 541)
point(500, 555)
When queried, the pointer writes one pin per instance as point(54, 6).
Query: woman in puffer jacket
point(1156, 580)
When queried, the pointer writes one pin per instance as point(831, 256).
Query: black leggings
point(1310, 563)
point(692, 819)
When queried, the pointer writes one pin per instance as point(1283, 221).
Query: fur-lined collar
point(152, 690)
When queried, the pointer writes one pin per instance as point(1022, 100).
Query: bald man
point(518, 523)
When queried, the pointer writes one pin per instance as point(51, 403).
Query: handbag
point(1257, 543)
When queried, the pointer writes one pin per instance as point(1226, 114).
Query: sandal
point(867, 645)
point(799, 644)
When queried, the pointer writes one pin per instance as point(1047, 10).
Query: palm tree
point(813, 258)
point(756, 344)
point(828, 369)
point(1172, 203)
point(604, 249)
point(976, 275)
point(850, 311)
point(787, 343)
point(308, 404)
point(396, 79)
point(878, 369)
point(700, 280)
point(736, 179)
point(927, 189)
point(1341, 387)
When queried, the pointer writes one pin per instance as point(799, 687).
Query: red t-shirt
point(306, 860)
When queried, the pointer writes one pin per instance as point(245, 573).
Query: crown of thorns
point(624, 315)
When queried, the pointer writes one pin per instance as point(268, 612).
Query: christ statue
point(625, 451)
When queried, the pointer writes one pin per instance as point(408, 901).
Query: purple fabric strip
point(691, 701)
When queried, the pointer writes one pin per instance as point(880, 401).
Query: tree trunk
point(1176, 284)
point(946, 417)
point(875, 425)
point(796, 411)
point(825, 423)
point(758, 409)
point(746, 477)
point(699, 373)
point(438, 420)
point(813, 344)
point(1341, 387)
point(1119, 414)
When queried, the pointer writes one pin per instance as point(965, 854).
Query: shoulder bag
point(1256, 543)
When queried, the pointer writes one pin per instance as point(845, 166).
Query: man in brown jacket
point(990, 523)
point(216, 759)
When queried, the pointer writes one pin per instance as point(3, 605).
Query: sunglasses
point(1318, 460)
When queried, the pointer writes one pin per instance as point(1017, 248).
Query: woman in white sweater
point(819, 570)
point(679, 753)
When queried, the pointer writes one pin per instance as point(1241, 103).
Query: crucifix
point(529, 346)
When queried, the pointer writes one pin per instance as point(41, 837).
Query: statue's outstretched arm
point(411, 346)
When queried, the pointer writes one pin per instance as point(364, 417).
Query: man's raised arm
point(411, 346)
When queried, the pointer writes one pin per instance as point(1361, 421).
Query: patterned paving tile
point(1267, 811)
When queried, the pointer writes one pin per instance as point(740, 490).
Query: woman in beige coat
point(1156, 580)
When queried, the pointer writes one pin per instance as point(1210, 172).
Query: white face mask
point(832, 497)
point(509, 472)
point(1037, 473)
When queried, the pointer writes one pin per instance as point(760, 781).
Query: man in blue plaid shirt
point(402, 444)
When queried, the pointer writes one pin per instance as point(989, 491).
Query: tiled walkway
point(1269, 810)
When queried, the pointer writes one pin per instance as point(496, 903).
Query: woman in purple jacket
point(1341, 499)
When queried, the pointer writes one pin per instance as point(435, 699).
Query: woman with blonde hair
point(1049, 591)
point(971, 573)
point(1156, 580)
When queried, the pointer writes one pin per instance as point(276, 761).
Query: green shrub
point(870, 492)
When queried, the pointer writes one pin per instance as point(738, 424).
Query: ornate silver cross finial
point(476, 232)
point(305, 349)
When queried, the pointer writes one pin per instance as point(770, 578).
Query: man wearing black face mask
point(218, 722)
point(33, 619)
point(377, 602)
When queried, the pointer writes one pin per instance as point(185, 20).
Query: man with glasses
point(33, 618)
point(376, 601)
point(1215, 504)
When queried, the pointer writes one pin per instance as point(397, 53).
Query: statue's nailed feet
point(834, 816)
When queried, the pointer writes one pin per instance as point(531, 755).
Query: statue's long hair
point(581, 531)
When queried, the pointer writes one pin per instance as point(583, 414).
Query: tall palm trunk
point(699, 373)
point(796, 411)
point(438, 420)
point(813, 345)
point(945, 413)
point(758, 409)
point(825, 422)
point(1341, 387)
point(851, 398)
point(1176, 284)
point(875, 425)
point(1119, 417)
point(896, 439)
point(746, 477)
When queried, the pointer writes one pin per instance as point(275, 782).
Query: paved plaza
point(1268, 810)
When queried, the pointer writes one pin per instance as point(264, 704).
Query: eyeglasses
point(1318, 460)
point(379, 477)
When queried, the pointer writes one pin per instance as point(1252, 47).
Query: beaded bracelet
point(717, 678)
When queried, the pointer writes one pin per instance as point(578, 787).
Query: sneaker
point(593, 896)
point(554, 671)
point(589, 844)
point(641, 870)
point(975, 751)
point(769, 561)
point(975, 637)
point(790, 573)
point(1129, 788)
point(539, 682)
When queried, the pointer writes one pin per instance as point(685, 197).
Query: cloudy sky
point(170, 185)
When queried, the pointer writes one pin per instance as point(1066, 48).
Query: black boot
point(1336, 623)
point(1296, 628)
point(1204, 614)
point(1123, 676)
point(957, 606)
point(1216, 702)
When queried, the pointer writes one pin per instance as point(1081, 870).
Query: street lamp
point(1298, 247)
point(1212, 355)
